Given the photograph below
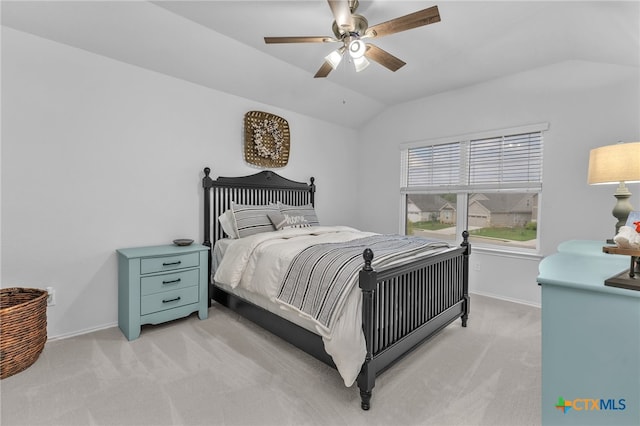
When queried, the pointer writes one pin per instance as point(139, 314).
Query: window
point(489, 184)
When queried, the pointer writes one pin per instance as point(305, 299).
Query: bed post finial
point(368, 257)
point(312, 191)
point(465, 242)
point(207, 182)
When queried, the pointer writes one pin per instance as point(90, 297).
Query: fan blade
point(342, 14)
point(324, 70)
point(271, 40)
point(383, 57)
point(406, 22)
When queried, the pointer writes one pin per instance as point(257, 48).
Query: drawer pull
point(171, 300)
point(172, 263)
point(172, 281)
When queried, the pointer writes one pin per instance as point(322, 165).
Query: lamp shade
point(615, 163)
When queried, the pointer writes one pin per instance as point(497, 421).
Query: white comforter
point(258, 264)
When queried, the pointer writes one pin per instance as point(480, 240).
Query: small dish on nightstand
point(182, 242)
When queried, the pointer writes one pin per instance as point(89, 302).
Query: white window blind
point(513, 161)
point(492, 163)
point(434, 165)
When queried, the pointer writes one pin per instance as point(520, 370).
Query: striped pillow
point(307, 212)
point(250, 220)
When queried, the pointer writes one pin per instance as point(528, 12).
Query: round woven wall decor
point(266, 139)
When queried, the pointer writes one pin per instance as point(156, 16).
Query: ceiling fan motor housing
point(360, 25)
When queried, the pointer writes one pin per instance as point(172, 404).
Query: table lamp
point(616, 164)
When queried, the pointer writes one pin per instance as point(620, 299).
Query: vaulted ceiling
point(220, 45)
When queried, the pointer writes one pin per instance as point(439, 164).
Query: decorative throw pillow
point(282, 221)
point(307, 212)
point(250, 220)
point(278, 220)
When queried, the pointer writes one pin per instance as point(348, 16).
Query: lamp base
point(623, 207)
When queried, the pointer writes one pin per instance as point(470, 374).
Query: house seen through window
point(488, 185)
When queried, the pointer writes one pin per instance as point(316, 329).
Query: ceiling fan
point(351, 29)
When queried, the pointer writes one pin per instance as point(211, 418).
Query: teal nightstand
point(160, 283)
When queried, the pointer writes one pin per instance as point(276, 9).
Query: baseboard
point(506, 299)
point(115, 324)
point(81, 332)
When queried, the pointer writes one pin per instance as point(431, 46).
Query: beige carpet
point(228, 371)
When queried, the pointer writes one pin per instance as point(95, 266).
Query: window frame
point(464, 190)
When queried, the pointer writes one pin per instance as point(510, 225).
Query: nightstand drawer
point(168, 299)
point(168, 263)
point(165, 282)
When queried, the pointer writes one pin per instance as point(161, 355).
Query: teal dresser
point(590, 339)
point(160, 283)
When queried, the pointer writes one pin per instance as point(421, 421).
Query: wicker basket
point(23, 328)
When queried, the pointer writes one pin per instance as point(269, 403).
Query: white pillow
point(228, 224)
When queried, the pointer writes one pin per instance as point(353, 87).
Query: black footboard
point(405, 305)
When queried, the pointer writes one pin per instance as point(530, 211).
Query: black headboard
point(261, 188)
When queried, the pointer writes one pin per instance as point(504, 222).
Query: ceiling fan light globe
point(357, 49)
point(361, 63)
point(334, 58)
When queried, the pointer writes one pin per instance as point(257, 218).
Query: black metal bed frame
point(402, 306)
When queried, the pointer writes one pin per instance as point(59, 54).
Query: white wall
point(99, 155)
point(586, 104)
